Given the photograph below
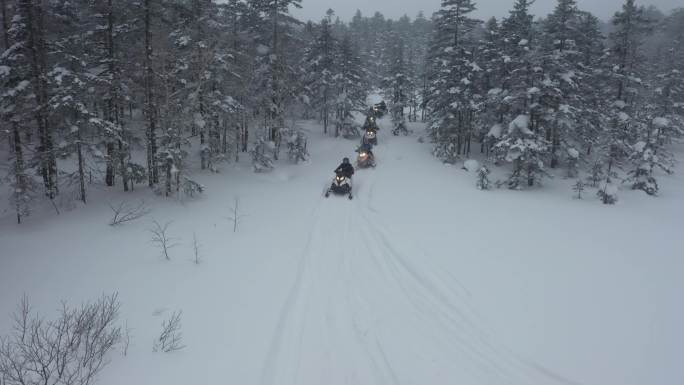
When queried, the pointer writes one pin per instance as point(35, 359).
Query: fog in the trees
point(345, 9)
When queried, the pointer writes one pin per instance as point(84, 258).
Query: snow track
point(367, 308)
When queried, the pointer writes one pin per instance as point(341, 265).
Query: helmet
point(345, 160)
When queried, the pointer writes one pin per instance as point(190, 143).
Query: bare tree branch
point(236, 217)
point(161, 238)
point(70, 350)
point(123, 213)
point(170, 338)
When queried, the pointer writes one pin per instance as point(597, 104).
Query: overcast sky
point(345, 9)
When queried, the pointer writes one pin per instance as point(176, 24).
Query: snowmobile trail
point(367, 307)
point(315, 314)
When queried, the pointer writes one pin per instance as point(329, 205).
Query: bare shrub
point(236, 217)
point(124, 213)
point(69, 350)
point(170, 338)
point(196, 246)
point(161, 238)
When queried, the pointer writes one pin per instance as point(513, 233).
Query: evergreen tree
point(451, 99)
point(351, 86)
point(321, 65)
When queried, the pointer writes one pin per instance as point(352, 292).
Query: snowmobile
point(400, 129)
point(365, 158)
point(370, 123)
point(380, 109)
point(370, 137)
point(341, 185)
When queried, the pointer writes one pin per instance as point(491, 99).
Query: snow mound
point(639, 146)
point(262, 49)
point(661, 122)
point(521, 124)
point(495, 131)
point(620, 104)
point(471, 165)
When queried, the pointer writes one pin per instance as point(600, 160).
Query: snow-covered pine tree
point(28, 25)
point(151, 110)
point(396, 82)
point(489, 54)
point(624, 121)
point(72, 81)
point(15, 109)
point(239, 23)
point(558, 75)
point(452, 95)
point(351, 87)
point(630, 28)
point(108, 29)
point(275, 73)
point(194, 43)
point(514, 52)
point(527, 150)
point(422, 32)
point(321, 70)
point(589, 117)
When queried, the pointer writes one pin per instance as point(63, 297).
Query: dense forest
point(126, 93)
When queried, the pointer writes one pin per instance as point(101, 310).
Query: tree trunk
point(37, 52)
point(150, 108)
point(169, 165)
point(20, 183)
point(5, 25)
point(15, 139)
point(123, 154)
point(111, 103)
point(555, 145)
point(81, 170)
point(224, 140)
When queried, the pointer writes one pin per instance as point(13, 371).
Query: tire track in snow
point(292, 300)
point(314, 335)
point(268, 372)
point(439, 302)
point(433, 311)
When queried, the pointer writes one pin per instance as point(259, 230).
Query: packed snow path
point(367, 308)
point(421, 279)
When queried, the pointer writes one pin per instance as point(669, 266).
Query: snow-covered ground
point(421, 279)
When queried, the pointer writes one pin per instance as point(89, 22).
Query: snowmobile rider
point(370, 124)
point(345, 168)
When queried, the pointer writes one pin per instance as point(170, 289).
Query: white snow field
point(421, 279)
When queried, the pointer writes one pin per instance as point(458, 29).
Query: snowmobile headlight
point(363, 154)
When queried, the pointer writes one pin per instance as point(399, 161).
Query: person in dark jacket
point(371, 123)
point(345, 168)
